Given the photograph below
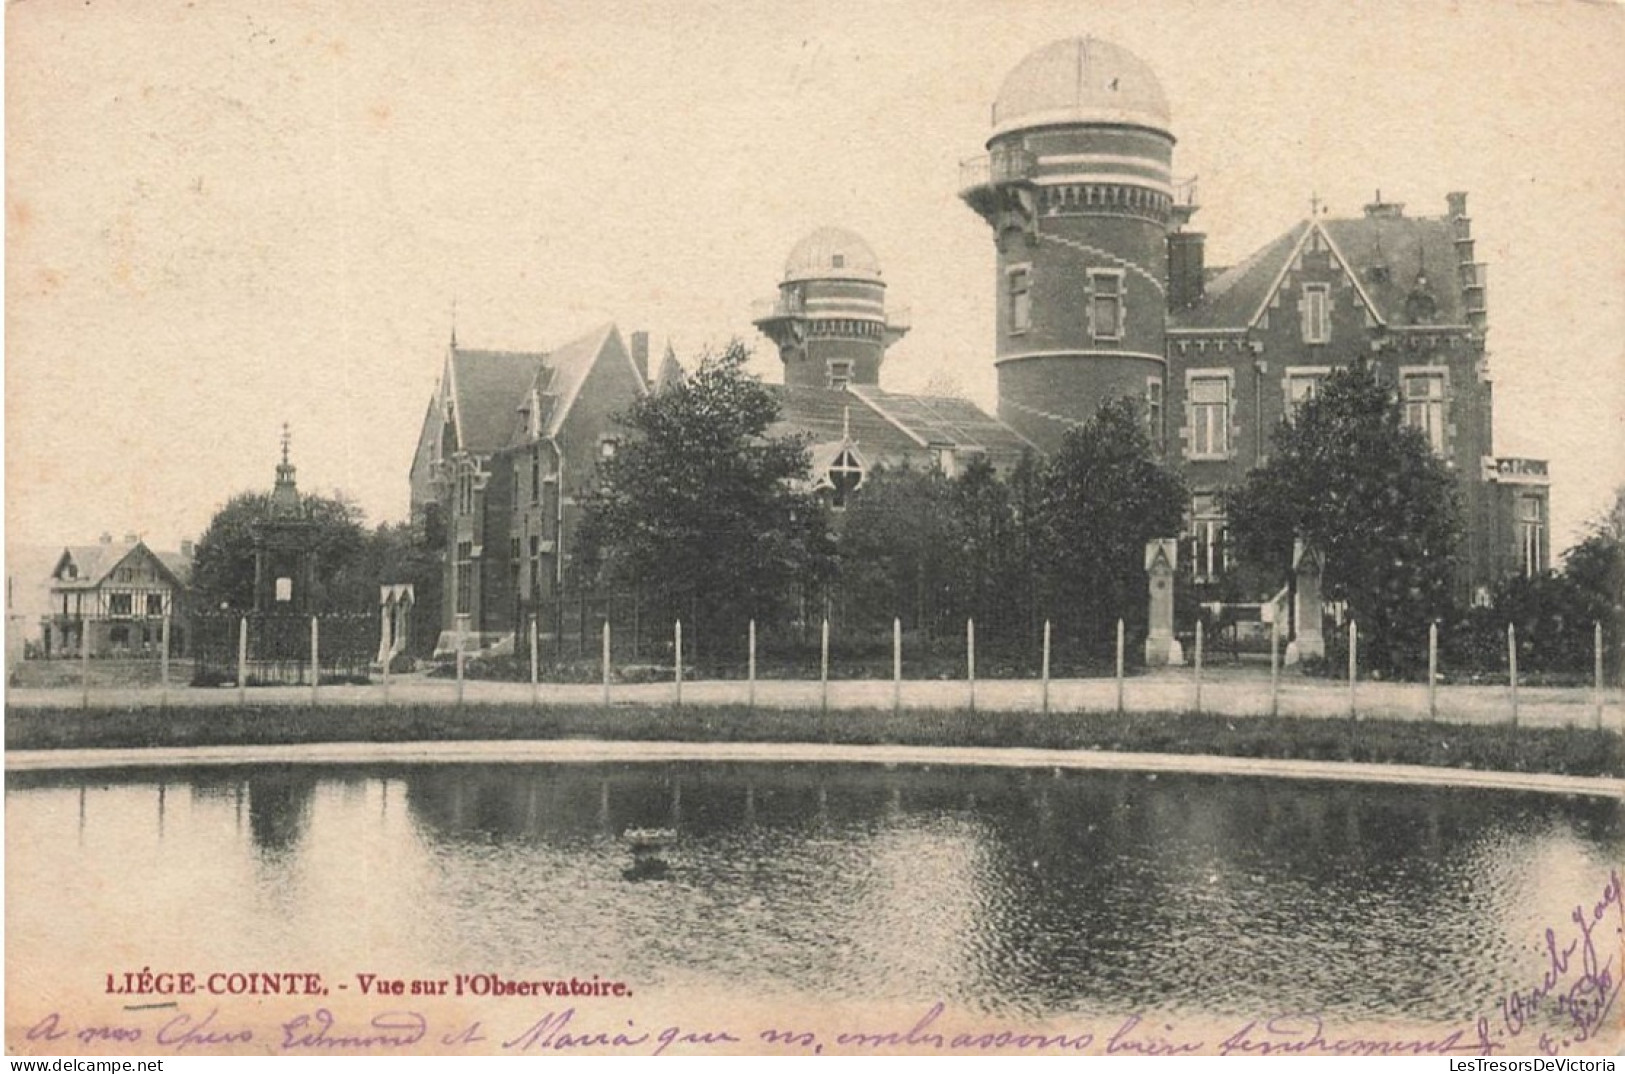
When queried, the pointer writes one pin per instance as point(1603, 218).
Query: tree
point(900, 552)
point(223, 570)
point(701, 511)
point(1103, 497)
point(1348, 474)
point(1595, 571)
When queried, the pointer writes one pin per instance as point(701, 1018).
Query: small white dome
point(1080, 80)
point(832, 253)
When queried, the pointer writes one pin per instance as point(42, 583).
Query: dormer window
point(607, 447)
point(845, 475)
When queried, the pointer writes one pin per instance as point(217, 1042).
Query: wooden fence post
point(970, 660)
point(606, 663)
point(84, 662)
point(242, 661)
point(677, 647)
point(896, 666)
point(1119, 667)
point(535, 661)
point(1596, 672)
point(823, 668)
point(462, 645)
point(1354, 663)
point(1046, 667)
point(1275, 664)
point(315, 659)
point(750, 668)
point(1433, 670)
point(1197, 664)
point(163, 663)
point(1512, 668)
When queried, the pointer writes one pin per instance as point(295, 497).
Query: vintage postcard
point(799, 528)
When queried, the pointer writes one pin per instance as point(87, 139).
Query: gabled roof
point(94, 562)
point(1381, 253)
point(486, 388)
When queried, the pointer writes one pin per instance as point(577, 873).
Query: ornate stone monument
point(394, 620)
point(1161, 647)
point(1307, 639)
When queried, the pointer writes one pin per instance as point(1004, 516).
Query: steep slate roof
point(1402, 244)
point(1232, 297)
point(568, 368)
point(487, 387)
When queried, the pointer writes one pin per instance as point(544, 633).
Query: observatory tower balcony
point(983, 179)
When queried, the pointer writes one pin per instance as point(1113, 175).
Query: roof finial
point(287, 438)
point(846, 423)
point(453, 322)
point(1314, 203)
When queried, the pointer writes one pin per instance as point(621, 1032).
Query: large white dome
point(1080, 80)
point(832, 253)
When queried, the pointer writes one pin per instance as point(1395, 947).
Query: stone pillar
point(386, 627)
point(1307, 641)
point(1161, 647)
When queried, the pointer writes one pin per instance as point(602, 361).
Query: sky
point(221, 216)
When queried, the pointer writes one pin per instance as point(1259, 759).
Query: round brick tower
point(1078, 189)
point(829, 320)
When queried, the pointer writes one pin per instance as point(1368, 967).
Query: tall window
point(1532, 535)
point(465, 577)
point(1153, 410)
point(1106, 305)
point(536, 567)
point(1317, 321)
point(1424, 406)
point(840, 375)
point(118, 604)
point(1209, 557)
point(1210, 417)
point(155, 604)
point(1020, 313)
point(535, 476)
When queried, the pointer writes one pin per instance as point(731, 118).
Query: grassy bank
point(1564, 751)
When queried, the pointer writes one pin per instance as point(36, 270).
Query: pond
point(1020, 893)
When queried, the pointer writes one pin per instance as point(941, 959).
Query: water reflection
point(1031, 891)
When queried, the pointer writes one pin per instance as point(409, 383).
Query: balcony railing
point(1518, 471)
point(1001, 166)
point(900, 318)
point(768, 309)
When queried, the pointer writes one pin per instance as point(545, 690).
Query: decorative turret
point(285, 493)
point(830, 321)
point(1078, 188)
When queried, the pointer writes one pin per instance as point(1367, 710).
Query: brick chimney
point(188, 549)
point(640, 354)
point(1186, 265)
